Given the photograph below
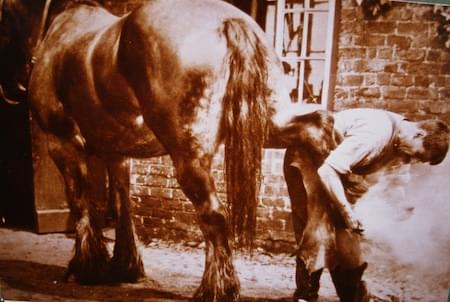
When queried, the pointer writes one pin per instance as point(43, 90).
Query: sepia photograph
point(225, 150)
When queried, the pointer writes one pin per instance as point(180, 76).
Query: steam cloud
point(409, 212)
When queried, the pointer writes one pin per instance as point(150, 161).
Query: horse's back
point(191, 29)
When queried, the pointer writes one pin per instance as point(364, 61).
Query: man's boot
point(348, 284)
point(307, 283)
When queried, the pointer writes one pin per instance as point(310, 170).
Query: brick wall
point(163, 211)
point(394, 62)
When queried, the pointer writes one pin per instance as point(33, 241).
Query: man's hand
point(333, 185)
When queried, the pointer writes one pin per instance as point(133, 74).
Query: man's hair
point(436, 140)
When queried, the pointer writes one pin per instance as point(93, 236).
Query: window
point(304, 35)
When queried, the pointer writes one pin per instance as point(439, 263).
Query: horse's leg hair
point(90, 261)
point(126, 263)
point(219, 282)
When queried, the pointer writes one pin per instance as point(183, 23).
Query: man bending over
point(322, 189)
point(371, 139)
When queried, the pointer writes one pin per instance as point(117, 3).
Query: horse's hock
point(163, 211)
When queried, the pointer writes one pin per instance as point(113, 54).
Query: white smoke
point(409, 212)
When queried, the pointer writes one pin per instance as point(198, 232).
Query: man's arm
point(333, 185)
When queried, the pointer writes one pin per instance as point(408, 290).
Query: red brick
point(178, 194)
point(376, 65)
point(348, 14)
point(374, 40)
point(370, 79)
point(403, 106)
point(162, 193)
point(444, 93)
point(371, 53)
point(415, 28)
point(172, 205)
point(421, 93)
point(340, 93)
point(188, 218)
point(151, 202)
point(381, 27)
point(394, 92)
point(433, 55)
point(421, 41)
point(445, 69)
point(160, 213)
point(412, 54)
point(359, 66)
point(401, 80)
point(267, 226)
point(384, 53)
point(272, 202)
point(346, 39)
point(152, 222)
point(391, 68)
point(167, 171)
point(369, 92)
point(438, 107)
point(399, 12)
point(421, 81)
point(423, 68)
point(157, 181)
point(352, 80)
point(400, 41)
point(281, 215)
point(355, 26)
point(140, 190)
point(352, 53)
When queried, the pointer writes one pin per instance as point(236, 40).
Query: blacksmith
point(322, 189)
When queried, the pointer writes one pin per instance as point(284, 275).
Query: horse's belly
point(126, 139)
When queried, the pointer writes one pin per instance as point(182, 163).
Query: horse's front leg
point(126, 264)
point(219, 282)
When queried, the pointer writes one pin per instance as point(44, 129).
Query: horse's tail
point(244, 125)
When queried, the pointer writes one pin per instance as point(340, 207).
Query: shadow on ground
point(36, 281)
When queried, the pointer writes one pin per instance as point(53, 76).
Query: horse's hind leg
point(126, 262)
point(219, 282)
point(299, 172)
point(90, 261)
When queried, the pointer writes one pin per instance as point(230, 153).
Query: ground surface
point(407, 246)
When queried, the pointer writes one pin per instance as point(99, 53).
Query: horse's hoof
point(302, 297)
point(127, 273)
point(229, 295)
point(93, 271)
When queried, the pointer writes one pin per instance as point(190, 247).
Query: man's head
point(427, 141)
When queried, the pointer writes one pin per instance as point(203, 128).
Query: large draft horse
point(177, 77)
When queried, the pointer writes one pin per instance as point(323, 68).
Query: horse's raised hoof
point(126, 272)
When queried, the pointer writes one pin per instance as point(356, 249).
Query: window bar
point(303, 52)
point(327, 88)
point(279, 26)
